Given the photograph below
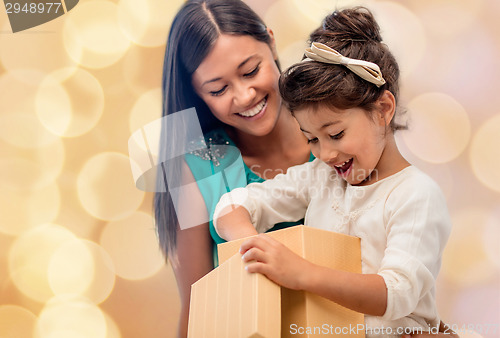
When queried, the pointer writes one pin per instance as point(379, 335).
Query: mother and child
point(318, 148)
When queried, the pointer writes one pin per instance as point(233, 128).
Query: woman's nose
point(244, 95)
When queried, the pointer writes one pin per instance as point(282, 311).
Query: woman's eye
point(313, 140)
point(337, 136)
point(253, 72)
point(218, 92)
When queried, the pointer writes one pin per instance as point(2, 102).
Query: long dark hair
point(193, 33)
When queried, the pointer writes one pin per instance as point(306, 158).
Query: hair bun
point(354, 24)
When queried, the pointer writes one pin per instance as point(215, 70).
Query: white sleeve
point(282, 199)
point(418, 226)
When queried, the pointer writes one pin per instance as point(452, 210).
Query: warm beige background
point(78, 255)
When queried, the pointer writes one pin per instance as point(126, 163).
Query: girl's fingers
point(257, 267)
point(254, 254)
point(259, 241)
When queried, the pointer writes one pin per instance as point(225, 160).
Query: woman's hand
point(271, 258)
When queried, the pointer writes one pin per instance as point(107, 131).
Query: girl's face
point(349, 140)
point(238, 80)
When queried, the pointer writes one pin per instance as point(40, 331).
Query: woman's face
point(238, 80)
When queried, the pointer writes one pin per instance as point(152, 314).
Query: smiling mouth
point(343, 168)
point(255, 110)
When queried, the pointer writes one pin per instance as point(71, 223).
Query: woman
point(221, 59)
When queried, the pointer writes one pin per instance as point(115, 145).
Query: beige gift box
point(230, 302)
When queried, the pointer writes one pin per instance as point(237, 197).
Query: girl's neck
point(390, 163)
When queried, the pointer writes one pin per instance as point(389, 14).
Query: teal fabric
point(219, 169)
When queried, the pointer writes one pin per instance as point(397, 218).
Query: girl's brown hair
point(354, 33)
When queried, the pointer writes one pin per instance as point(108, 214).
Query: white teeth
point(255, 110)
point(341, 165)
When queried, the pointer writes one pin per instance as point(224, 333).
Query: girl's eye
point(337, 136)
point(253, 72)
point(218, 92)
point(313, 140)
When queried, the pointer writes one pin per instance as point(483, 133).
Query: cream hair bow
point(368, 71)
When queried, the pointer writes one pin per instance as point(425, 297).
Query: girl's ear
point(273, 43)
point(386, 107)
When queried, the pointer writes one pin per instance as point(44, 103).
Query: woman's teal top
point(218, 167)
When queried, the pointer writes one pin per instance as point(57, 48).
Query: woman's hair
point(193, 33)
point(355, 34)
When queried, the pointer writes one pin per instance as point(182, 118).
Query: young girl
point(344, 97)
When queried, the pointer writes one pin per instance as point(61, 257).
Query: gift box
point(230, 302)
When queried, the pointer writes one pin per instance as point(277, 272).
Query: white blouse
point(402, 221)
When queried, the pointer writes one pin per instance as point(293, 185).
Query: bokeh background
point(78, 253)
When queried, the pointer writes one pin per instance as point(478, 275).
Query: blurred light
point(292, 53)
point(31, 168)
point(21, 210)
point(477, 310)
point(133, 246)
point(43, 51)
point(29, 259)
point(63, 334)
point(491, 237)
point(71, 316)
point(442, 69)
point(106, 188)
point(145, 110)
point(16, 322)
point(81, 267)
point(464, 13)
point(92, 36)
point(142, 67)
point(317, 10)
point(23, 130)
point(73, 215)
point(147, 23)
point(485, 153)
point(71, 268)
point(398, 26)
point(18, 89)
point(278, 18)
point(113, 331)
point(18, 125)
point(465, 261)
point(69, 103)
point(439, 128)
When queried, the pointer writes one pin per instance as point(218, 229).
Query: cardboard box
point(302, 314)
point(229, 302)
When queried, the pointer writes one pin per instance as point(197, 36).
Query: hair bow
point(368, 71)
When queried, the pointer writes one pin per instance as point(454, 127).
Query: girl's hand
point(271, 258)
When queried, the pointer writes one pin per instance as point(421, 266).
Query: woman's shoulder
point(211, 153)
point(209, 144)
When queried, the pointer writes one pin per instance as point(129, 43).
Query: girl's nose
point(328, 154)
